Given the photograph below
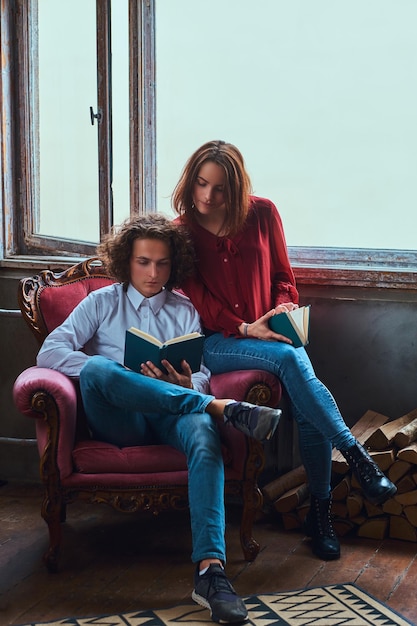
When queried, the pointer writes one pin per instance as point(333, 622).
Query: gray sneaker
point(259, 422)
point(215, 592)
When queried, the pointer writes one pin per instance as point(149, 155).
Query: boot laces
point(368, 470)
point(324, 522)
point(326, 526)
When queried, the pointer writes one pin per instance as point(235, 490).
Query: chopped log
point(408, 454)
point(411, 514)
point(372, 510)
point(408, 433)
point(343, 526)
point(397, 517)
point(400, 528)
point(405, 484)
point(376, 528)
point(383, 458)
point(354, 503)
point(303, 509)
point(383, 436)
point(340, 509)
point(370, 421)
point(339, 463)
point(362, 430)
point(291, 521)
point(408, 498)
point(392, 507)
point(275, 489)
point(341, 491)
point(291, 499)
point(398, 470)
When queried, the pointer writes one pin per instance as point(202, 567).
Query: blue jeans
point(127, 409)
point(314, 409)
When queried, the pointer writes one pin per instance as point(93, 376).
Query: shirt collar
point(155, 302)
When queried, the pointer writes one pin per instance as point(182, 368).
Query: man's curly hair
point(116, 248)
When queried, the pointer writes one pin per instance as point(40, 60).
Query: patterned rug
point(334, 605)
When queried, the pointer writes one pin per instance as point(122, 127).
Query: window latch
point(94, 116)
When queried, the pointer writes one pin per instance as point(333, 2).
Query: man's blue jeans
point(127, 409)
point(314, 409)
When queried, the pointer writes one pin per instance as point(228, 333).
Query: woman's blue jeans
point(127, 409)
point(314, 409)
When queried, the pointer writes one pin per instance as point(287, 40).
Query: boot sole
point(324, 556)
point(383, 497)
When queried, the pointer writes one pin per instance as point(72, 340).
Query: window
point(321, 99)
point(319, 96)
point(74, 162)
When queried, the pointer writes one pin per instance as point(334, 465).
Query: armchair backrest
point(47, 299)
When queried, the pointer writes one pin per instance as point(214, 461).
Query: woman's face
point(208, 192)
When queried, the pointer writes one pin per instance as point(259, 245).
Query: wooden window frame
point(320, 266)
point(20, 187)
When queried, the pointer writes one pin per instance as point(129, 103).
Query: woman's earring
point(193, 206)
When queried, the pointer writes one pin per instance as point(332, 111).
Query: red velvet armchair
point(143, 478)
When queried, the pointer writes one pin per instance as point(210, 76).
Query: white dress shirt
point(99, 322)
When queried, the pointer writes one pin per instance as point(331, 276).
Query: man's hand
point(183, 379)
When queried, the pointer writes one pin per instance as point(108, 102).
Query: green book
point(141, 347)
point(293, 324)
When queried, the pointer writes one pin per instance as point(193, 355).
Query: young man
point(148, 256)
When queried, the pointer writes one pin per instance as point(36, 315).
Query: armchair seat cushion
point(97, 457)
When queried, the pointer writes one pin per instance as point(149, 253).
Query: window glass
point(67, 161)
point(319, 96)
point(120, 108)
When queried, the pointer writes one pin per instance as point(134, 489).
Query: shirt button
point(236, 306)
point(224, 260)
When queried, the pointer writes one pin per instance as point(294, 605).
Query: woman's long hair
point(237, 187)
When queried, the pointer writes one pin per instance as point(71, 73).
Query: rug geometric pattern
point(333, 605)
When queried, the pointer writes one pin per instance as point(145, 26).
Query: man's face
point(150, 266)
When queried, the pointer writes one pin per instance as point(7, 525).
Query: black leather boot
point(318, 526)
point(375, 485)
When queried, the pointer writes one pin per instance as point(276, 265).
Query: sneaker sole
point(271, 432)
point(203, 602)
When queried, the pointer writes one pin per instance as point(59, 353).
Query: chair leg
point(53, 512)
point(252, 502)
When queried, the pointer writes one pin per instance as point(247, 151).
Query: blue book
point(141, 347)
point(293, 324)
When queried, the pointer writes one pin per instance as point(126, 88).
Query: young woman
point(244, 277)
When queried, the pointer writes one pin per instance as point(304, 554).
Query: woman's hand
point(285, 307)
point(177, 378)
point(260, 328)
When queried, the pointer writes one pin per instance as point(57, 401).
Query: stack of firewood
point(393, 446)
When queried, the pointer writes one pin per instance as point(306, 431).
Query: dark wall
point(363, 347)
point(18, 453)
